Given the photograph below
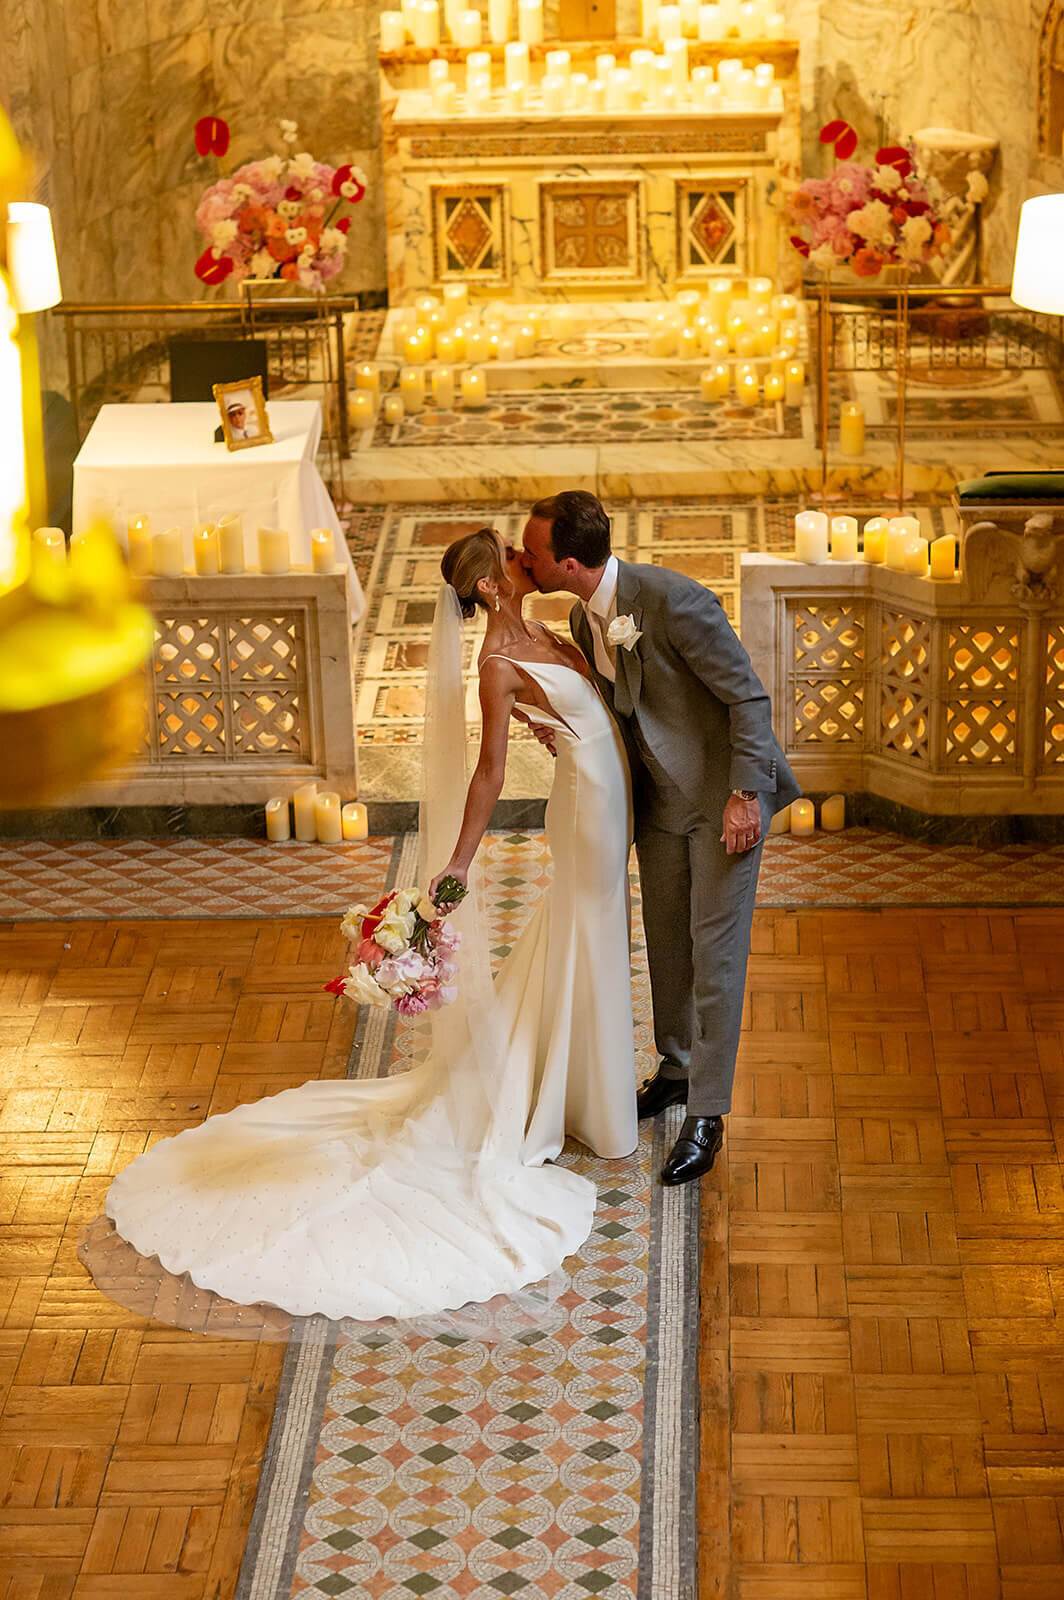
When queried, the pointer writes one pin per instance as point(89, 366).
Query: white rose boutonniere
point(622, 631)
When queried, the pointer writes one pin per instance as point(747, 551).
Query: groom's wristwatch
point(745, 794)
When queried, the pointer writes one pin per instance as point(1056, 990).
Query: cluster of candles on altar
point(893, 542)
point(315, 816)
point(217, 547)
point(662, 81)
point(418, 22)
point(739, 331)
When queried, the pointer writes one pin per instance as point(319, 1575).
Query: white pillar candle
point(781, 821)
point(689, 344)
point(507, 350)
point(205, 550)
point(439, 71)
point(689, 18)
point(516, 57)
point(303, 802)
point(368, 377)
point(328, 826)
point(676, 53)
point(907, 525)
point(322, 549)
point(394, 409)
point(833, 813)
point(525, 341)
point(278, 822)
point(49, 546)
point(648, 16)
point(661, 340)
point(852, 430)
point(604, 65)
point(478, 98)
point(455, 301)
point(784, 307)
point(474, 388)
point(874, 540)
point(715, 383)
point(412, 388)
point(274, 551)
point(718, 346)
point(746, 343)
point(530, 21)
point(747, 389)
point(443, 388)
point(774, 388)
point(811, 536)
point(556, 63)
point(916, 557)
point(749, 20)
point(898, 542)
point(596, 95)
point(764, 337)
point(404, 323)
point(795, 383)
point(552, 101)
point(354, 820)
point(578, 91)
point(620, 89)
point(499, 21)
point(944, 557)
point(670, 22)
point(393, 32)
point(467, 24)
point(641, 63)
point(168, 554)
point(360, 410)
point(774, 24)
point(710, 23)
point(444, 101)
point(427, 25)
point(231, 543)
point(687, 303)
point(138, 536)
point(477, 64)
point(844, 538)
point(803, 818)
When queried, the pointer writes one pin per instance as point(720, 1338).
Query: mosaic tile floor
point(941, 403)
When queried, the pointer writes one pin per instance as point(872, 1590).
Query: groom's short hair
point(579, 527)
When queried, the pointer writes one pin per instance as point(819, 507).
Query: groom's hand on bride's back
point(540, 730)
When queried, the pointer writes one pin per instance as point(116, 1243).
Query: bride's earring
point(498, 607)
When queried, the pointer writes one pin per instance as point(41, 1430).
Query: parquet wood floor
point(882, 1365)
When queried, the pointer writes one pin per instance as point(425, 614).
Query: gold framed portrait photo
point(243, 408)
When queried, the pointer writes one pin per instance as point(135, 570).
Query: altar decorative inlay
point(710, 227)
point(591, 230)
point(469, 234)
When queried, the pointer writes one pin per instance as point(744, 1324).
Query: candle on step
point(394, 409)
point(781, 822)
point(393, 33)
point(360, 410)
point(833, 813)
point(474, 388)
point(499, 20)
point(718, 346)
point(443, 388)
point(322, 549)
point(944, 557)
point(803, 818)
point(274, 553)
point(412, 388)
point(530, 21)
point(427, 25)
point(747, 389)
point(168, 554)
point(525, 341)
point(774, 387)
point(661, 340)
point(138, 531)
point(327, 824)
point(231, 543)
point(516, 57)
point(205, 550)
point(368, 377)
point(844, 538)
point(467, 30)
point(49, 547)
point(710, 23)
point(355, 820)
point(278, 822)
point(875, 540)
point(795, 383)
point(811, 536)
point(852, 430)
point(303, 803)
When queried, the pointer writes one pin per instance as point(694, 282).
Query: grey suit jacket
point(702, 710)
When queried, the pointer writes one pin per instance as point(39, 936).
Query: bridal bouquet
point(278, 217)
point(406, 949)
point(867, 216)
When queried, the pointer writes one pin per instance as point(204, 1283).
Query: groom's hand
point(742, 825)
point(540, 730)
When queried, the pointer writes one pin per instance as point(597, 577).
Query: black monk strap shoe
point(695, 1150)
point(659, 1093)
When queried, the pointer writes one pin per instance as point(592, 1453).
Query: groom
point(707, 775)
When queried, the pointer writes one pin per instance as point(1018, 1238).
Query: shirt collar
point(606, 592)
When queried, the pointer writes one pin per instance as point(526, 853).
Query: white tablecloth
point(162, 461)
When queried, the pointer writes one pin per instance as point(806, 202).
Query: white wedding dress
point(406, 1196)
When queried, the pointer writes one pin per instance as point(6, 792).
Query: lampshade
point(1038, 273)
point(32, 266)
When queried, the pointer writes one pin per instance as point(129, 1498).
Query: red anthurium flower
point(344, 225)
point(799, 244)
point(334, 986)
point(292, 193)
point(212, 136)
point(212, 268)
point(842, 136)
point(344, 179)
point(895, 155)
point(290, 272)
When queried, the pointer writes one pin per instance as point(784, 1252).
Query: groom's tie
point(604, 657)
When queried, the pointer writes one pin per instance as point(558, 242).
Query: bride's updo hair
point(469, 559)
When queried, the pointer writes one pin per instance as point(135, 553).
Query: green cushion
point(1013, 486)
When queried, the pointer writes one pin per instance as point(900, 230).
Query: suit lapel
point(629, 667)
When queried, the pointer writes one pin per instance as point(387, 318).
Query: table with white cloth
point(162, 461)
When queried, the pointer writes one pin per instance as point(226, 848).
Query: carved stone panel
point(470, 232)
point(711, 227)
point(591, 231)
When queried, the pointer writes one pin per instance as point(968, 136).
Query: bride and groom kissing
point(408, 1195)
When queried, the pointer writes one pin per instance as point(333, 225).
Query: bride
point(406, 1196)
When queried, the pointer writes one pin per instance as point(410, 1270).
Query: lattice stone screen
point(249, 690)
point(886, 683)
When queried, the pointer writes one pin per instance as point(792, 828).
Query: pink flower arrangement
point(277, 217)
point(406, 951)
point(866, 217)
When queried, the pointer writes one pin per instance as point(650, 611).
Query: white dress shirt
point(600, 611)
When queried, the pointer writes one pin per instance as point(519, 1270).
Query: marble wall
point(108, 92)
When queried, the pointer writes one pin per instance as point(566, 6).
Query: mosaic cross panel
point(469, 232)
point(591, 231)
point(710, 228)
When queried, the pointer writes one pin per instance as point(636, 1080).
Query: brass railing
point(970, 328)
point(121, 352)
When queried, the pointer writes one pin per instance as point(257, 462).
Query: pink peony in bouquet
point(278, 217)
point(405, 951)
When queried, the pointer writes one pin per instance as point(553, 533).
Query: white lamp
point(31, 258)
point(1038, 272)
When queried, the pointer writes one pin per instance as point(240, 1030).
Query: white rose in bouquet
point(362, 987)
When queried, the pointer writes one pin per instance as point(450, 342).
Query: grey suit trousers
point(697, 984)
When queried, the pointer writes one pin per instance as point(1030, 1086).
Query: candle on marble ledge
point(661, 338)
point(354, 819)
point(578, 87)
point(689, 344)
point(275, 553)
point(641, 63)
point(499, 21)
point(676, 55)
point(467, 30)
point(439, 71)
point(368, 377)
point(898, 542)
point(458, 336)
point(445, 98)
point(689, 18)
point(557, 63)
point(393, 31)
point(551, 99)
point(648, 16)
point(604, 65)
point(455, 301)
point(833, 813)
point(474, 388)
point(516, 59)
point(715, 383)
point(764, 334)
point(906, 525)
point(138, 537)
point(774, 388)
point(686, 302)
point(525, 341)
point(710, 23)
point(231, 543)
point(394, 409)
point(596, 96)
point(443, 388)
point(803, 818)
point(478, 345)
point(747, 389)
point(916, 557)
point(736, 325)
point(844, 538)
point(811, 537)
point(477, 65)
point(427, 25)
point(278, 821)
point(205, 550)
point(874, 540)
point(412, 389)
point(784, 307)
point(775, 22)
point(168, 554)
point(795, 383)
point(670, 22)
point(852, 430)
point(719, 297)
point(322, 549)
point(404, 324)
point(781, 357)
point(746, 343)
point(719, 346)
point(944, 557)
point(749, 20)
point(360, 410)
point(744, 89)
point(478, 98)
point(759, 292)
point(728, 70)
point(530, 21)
